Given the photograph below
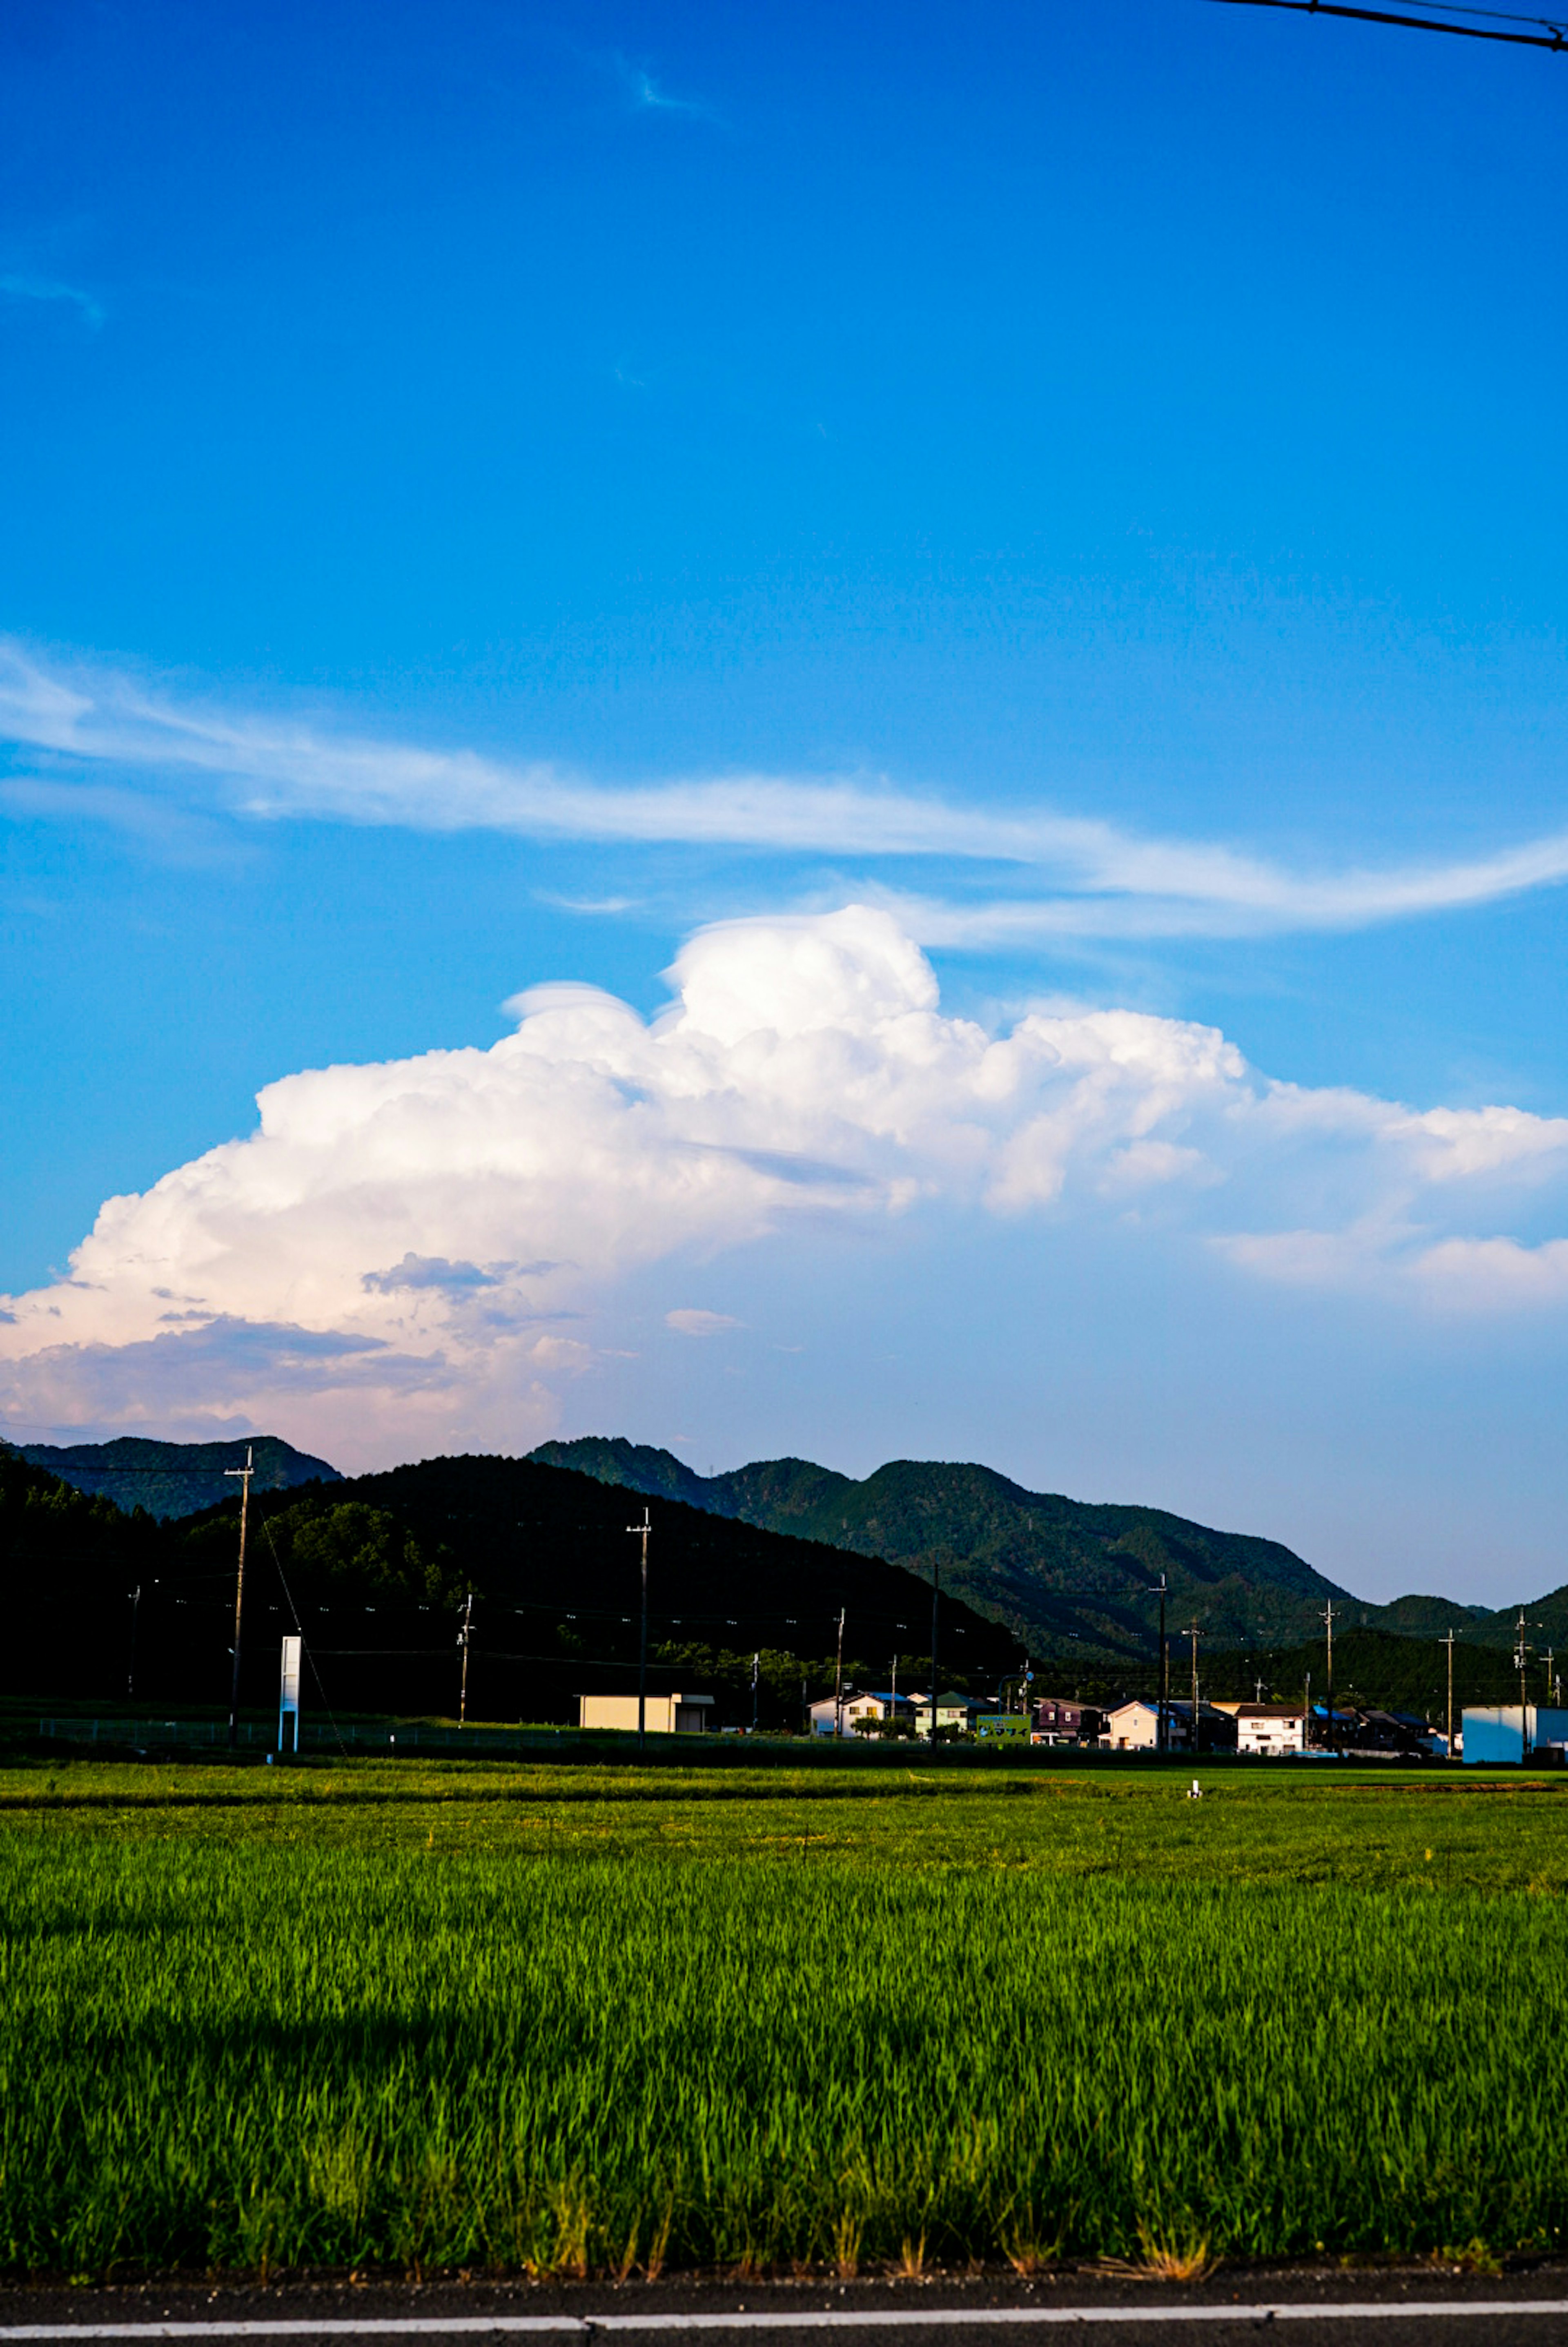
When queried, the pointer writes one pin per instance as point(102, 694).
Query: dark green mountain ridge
point(1074, 1582)
point(175, 1479)
point(376, 1571)
point(1071, 1578)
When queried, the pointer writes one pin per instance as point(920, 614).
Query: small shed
point(667, 1715)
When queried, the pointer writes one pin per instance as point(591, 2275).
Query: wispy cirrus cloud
point(1061, 876)
point(692, 1320)
point(21, 287)
point(648, 97)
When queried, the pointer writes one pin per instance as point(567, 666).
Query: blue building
point(1492, 1734)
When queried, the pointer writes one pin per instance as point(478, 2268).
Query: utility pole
point(1521, 1661)
point(244, 1474)
point(130, 1667)
point(838, 1680)
point(756, 1668)
point(1327, 1616)
point(463, 1636)
point(935, 1601)
point(893, 1707)
point(1550, 1658)
point(1448, 1731)
point(1162, 1712)
point(1194, 1633)
point(642, 1532)
point(1306, 1714)
point(1257, 1690)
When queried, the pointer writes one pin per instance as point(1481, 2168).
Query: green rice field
point(595, 2019)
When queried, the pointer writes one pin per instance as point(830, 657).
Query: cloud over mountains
point(443, 1243)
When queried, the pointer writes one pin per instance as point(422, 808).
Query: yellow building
point(667, 1715)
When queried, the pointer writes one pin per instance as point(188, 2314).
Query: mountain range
point(175, 1479)
point(1068, 1577)
point(381, 1571)
point(1071, 1580)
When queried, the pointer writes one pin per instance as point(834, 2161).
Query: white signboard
point(289, 1697)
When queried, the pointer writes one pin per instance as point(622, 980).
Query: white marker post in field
point(289, 1697)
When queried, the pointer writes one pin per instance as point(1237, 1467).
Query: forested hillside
point(1065, 1576)
point(1075, 1581)
point(176, 1479)
point(377, 1571)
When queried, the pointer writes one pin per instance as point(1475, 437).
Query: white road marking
point(427, 2326)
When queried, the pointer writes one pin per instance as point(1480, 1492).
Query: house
point(1059, 1721)
point(1390, 1731)
point(1368, 1733)
point(860, 1714)
point(1134, 1726)
point(880, 1713)
point(955, 1713)
point(1268, 1727)
point(1346, 1723)
point(667, 1715)
point(1492, 1734)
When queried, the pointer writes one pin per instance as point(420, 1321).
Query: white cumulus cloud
point(442, 1241)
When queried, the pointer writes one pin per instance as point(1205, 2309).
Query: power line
point(1550, 36)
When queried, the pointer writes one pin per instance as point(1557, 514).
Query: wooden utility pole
point(463, 1636)
point(642, 1532)
point(1162, 1719)
point(1194, 1633)
point(130, 1667)
point(244, 1474)
point(756, 1672)
point(1327, 1616)
point(1448, 1730)
point(1521, 1663)
point(838, 1680)
point(935, 1601)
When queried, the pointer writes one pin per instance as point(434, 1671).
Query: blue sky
point(491, 493)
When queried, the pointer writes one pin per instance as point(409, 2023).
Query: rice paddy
point(573, 2021)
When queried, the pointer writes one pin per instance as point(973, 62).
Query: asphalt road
point(1395, 2308)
